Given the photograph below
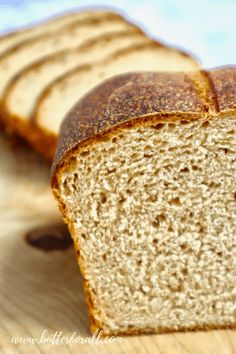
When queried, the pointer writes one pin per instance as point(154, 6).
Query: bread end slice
point(144, 176)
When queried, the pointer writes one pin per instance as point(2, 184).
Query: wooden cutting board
point(42, 290)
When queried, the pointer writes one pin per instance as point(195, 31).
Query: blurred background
point(206, 28)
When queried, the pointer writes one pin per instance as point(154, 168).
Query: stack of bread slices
point(44, 70)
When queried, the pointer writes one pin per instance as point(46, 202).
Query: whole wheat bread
point(144, 175)
point(51, 109)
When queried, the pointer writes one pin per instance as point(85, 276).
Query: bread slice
point(144, 175)
point(14, 38)
point(68, 36)
point(51, 109)
point(24, 89)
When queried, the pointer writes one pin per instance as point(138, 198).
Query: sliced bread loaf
point(24, 89)
point(51, 109)
point(68, 36)
point(14, 38)
point(144, 175)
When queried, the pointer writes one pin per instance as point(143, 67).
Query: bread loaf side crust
point(132, 99)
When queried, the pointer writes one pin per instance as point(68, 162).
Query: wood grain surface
point(42, 290)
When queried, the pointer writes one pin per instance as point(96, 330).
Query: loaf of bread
point(144, 175)
point(52, 63)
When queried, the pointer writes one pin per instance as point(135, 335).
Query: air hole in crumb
point(161, 267)
point(139, 262)
point(147, 155)
point(220, 254)
point(153, 198)
point(128, 191)
point(114, 140)
point(185, 271)
point(159, 126)
point(122, 200)
point(197, 286)
point(66, 187)
point(84, 236)
point(184, 246)
point(161, 217)
point(195, 168)
point(184, 170)
point(191, 214)
point(185, 121)
point(170, 228)
point(171, 125)
point(84, 153)
point(156, 223)
point(231, 132)
point(205, 124)
point(154, 241)
point(234, 195)
point(175, 201)
point(104, 257)
point(135, 155)
point(103, 198)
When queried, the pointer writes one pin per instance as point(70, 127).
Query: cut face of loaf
point(24, 89)
point(144, 175)
point(15, 38)
point(68, 36)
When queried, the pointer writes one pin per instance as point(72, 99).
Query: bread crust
point(134, 99)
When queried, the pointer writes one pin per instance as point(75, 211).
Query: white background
point(207, 28)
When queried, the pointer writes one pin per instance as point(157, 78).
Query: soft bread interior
point(145, 57)
point(153, 213)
